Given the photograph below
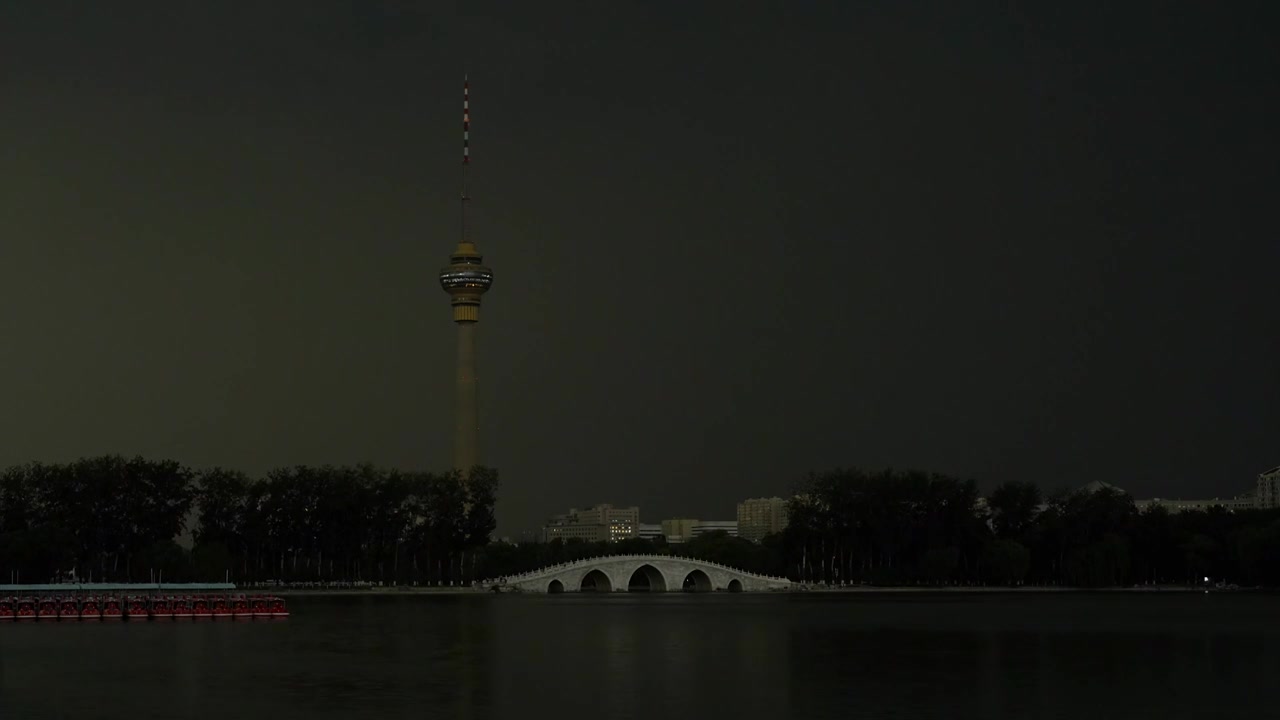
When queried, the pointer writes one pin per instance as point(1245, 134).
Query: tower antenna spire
point(466, 149)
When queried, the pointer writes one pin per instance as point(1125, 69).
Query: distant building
point(606, 514)
point(1240, 502)
point(649, 531)
point(703, 527)
point(602, 523)
point(678, 530)
point(681, 530)
point(1231, 504)
point(569, 531)
point(761, 517)
point(623, 530)
point(1268, 495)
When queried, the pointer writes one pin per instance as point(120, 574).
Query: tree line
point(114, 519)
point(848, 526)
point(912, 528)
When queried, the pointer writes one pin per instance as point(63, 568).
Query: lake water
point(716, 656)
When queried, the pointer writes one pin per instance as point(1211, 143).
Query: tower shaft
point(466, 440)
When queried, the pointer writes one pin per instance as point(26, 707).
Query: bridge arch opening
point(735, 585)
point(596, 581)
point(697, 581)
point(555, 587)
point(647, 578)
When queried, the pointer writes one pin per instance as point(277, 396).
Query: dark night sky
point(732, 242)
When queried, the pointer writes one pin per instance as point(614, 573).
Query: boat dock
point(135, 601)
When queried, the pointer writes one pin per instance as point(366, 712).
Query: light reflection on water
point(903, 656)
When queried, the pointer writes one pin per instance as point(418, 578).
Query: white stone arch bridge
point(637, 573)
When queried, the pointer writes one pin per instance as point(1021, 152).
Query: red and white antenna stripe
point(466, 150)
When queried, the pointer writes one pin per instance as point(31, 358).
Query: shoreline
point(371, 592)
point(1025, 589)
point(798, 590)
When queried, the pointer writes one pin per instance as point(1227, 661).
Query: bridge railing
point(530, 574)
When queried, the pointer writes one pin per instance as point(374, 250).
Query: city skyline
point(761, 516)
point(1035, 243)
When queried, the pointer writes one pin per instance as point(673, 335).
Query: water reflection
point(335, 658)
point(697, 655)
point(1029, 657)
point(676, 653)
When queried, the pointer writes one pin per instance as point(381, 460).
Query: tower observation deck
point(466, 279)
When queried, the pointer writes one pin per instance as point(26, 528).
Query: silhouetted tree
point(1013, 507)
point(1005, 562)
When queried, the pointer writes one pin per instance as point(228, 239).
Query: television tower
point(465, 279)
